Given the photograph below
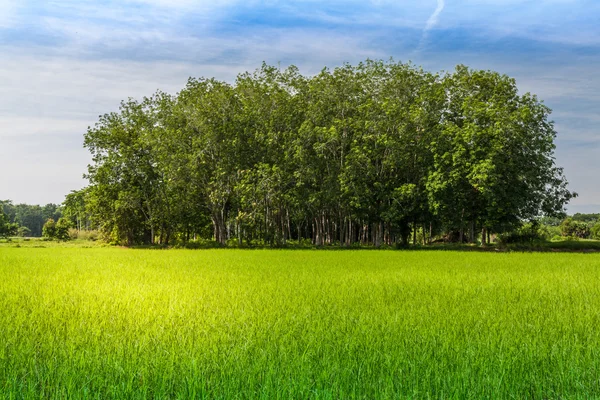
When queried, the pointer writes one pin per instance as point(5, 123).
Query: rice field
point(118, 323)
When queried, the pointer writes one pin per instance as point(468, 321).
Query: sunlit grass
point(117, 323)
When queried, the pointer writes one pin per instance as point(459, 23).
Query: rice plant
point(118, 323)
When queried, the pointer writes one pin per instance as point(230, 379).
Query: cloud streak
point(431, 23)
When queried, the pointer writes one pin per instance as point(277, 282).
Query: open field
point(118, 323)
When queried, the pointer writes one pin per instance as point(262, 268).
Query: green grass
point(118, 323)
point(41, 243)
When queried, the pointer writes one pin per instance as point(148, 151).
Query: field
point(121, 323)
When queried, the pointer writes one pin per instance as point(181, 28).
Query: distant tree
point(49, 229)
point(58, 230)
point(7, 228)
point(586, 217)
point(577, 229)
point(61, 231)
point(32, 217)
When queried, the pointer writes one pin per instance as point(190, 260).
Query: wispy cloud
point(431, 23)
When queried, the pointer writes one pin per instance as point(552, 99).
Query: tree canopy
point(366, 153)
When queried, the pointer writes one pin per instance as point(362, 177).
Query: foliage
point(548, 232)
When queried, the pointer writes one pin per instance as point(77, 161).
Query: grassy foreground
point(117, 323)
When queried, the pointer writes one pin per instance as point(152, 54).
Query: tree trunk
point(430, 232)
point(318, 239)
point(219, 228)
point(414, 233)
point(472, 232)
point(379, 234)
point(461, 235)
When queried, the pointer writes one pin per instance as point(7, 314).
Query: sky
point(63, 63)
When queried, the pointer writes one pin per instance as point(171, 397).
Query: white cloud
point(50, 97)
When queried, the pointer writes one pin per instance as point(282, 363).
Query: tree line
point(26, 220)
point(375, 153)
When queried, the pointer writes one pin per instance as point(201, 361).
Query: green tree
point(211, 111)
point(49, 229)
point(494, 161)
point(573, 228)
point(62, 227)
point(74, 208)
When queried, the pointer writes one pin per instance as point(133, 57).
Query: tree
point(49, 229)
point(74, 208)
point(61, 231)
point(211, 111)
point(494, 162)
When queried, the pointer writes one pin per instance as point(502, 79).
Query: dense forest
point(376, 153)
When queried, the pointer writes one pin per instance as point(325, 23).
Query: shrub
point(73, 233)
point(92, 235)
point(528, 233)
point(23, 231)
point(572, 228)
point(548, 232)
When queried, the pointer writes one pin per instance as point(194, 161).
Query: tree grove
point(370, 153)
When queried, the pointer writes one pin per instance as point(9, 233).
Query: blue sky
point(64, 62)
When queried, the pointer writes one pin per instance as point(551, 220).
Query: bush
point(548, 232)
point(23, 231)
point(88, 235)
point(528, 233)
